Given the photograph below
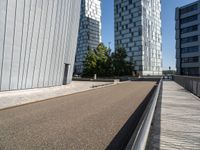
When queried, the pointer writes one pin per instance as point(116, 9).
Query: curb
point(43, 100)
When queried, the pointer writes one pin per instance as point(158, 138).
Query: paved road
point(88, 120)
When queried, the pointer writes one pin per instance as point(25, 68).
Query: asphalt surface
point(88, 120)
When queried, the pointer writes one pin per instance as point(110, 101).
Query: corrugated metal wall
point(37, 38)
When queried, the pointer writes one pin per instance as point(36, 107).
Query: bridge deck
point(176, 124)
point(96, 120)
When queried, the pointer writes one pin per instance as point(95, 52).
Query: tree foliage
point(102, 62)
point(103, 59)
point(120, 65)
point(90, 63)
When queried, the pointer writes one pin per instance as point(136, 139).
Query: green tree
point(103, 60)
point(90, 64)
point(121, 67)
point(98, 61)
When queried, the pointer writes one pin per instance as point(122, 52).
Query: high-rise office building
point(188, 39)
point(138, 30)
point(89, 31)
point(38, 41)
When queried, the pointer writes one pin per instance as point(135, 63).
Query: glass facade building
point(138, 30)
point(89, 31)
point(187, 39)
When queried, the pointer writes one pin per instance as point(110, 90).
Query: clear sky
point(168, 27)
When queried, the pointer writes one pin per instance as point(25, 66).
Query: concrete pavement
point(176, 124)
point(15, 98)
point(88, 120)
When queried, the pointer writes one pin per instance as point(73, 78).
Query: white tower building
point(138, 30)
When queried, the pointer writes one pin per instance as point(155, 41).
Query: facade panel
point(39, 38)
point(187, 39)
point(138, 30)
point(17, 45)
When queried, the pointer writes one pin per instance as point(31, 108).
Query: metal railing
point(140, 136)
point(191, 84)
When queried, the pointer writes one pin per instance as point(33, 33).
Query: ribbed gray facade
point(38, 41)
point(188, 39)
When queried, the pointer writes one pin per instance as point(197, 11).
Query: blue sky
point(168, 27)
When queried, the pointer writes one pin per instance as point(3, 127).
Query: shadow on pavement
point(154, 135)
point(122, 138)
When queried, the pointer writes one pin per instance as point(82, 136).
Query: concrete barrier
point(96, 80)
point(139, 138)
point(191, 84)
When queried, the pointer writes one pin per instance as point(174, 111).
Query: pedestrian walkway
point(15, 98)
point(176, 123)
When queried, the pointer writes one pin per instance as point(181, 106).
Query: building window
point(189, 29)
point(140, 31)
point(190, 49)
point(189, 9)
point(190, 71)
point(140, 68)
point(189, 39)
point(190, 60)
point(189, 19)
